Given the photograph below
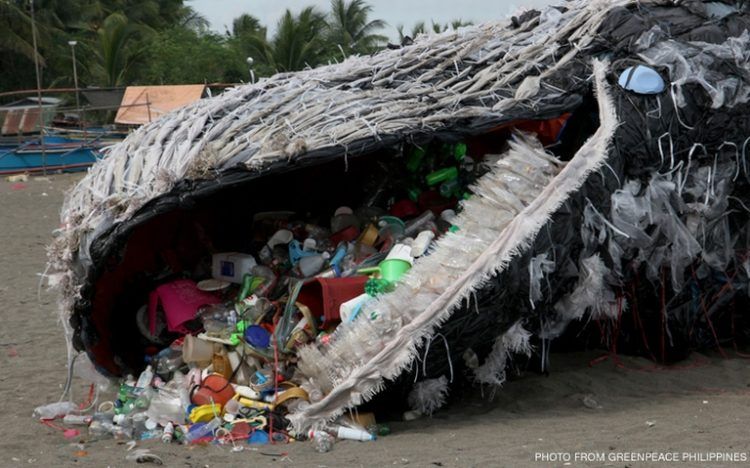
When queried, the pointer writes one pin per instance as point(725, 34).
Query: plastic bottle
point(322, 441)
point(139, 423)
point(150, 434)
point(450, 188)
point(351, 433)
point(144, 380)
point(100, 428)
point(53, 410)
point(221, 363)
point(170, 402)
point(168, 361)
point(422, 243)
point(202, 431)
point(168, 434)
point(76, 420)
point(308, 266)
point(144, 399)
point(246, 392)
point(419, 223)
point(441, 175)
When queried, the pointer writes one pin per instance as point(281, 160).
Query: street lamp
point(250, 62)
point(72, 45)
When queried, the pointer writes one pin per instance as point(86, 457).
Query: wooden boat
point(52, 153)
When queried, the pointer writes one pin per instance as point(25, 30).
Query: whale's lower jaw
point(510, 206)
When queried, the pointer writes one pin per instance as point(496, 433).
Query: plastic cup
point(401, 252)
point(393, 269)
point(197, 350)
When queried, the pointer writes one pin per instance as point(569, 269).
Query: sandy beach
point(606, 411)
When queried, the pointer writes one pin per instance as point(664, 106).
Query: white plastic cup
point(401, 252)
point(347, 308)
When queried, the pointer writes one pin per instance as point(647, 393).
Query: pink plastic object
point(180, 300)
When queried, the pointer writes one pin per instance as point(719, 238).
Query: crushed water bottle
point(322, 441)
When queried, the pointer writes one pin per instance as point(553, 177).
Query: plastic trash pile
point(220, 358)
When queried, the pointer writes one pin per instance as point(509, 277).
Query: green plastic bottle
point(441, 175)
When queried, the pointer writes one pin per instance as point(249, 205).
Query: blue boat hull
point(61, 154)
point(75, 160)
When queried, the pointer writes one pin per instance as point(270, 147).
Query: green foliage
point(121, 42)
point(298, 42)
point(181, 55)
point(115, 48)
point(15, 30)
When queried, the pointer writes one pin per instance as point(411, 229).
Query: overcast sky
point(407, 12)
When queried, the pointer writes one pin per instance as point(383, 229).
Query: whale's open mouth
point(523, 186)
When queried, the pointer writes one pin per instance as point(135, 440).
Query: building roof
point(144, 104)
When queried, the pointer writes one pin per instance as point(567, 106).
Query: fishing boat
point(39, 135)
point(51, 154)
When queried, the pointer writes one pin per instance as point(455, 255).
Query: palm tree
point(247, 25)
point(15, 30)
point(191, 19)
point(248, 39)
point(350, 29)
point(298, 42)
point(114, 47)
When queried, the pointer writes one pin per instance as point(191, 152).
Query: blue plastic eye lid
point(642, 79)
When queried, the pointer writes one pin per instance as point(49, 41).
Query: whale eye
point(642, 80)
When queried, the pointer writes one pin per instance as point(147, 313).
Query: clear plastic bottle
point(215, 318)
point(422, 243)
point(53, 410)
point(144, 380)
point(76, 419)
point(308, 266)
point(168, 361)
point(322, 441)
point(99, 429)
point(168, 433)
point(170, 402)
point(419, 223)
point(202, 431)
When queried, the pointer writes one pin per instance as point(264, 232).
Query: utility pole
point(38, 88)
point(72, 45)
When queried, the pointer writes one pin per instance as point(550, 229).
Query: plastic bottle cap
point(257, 337)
